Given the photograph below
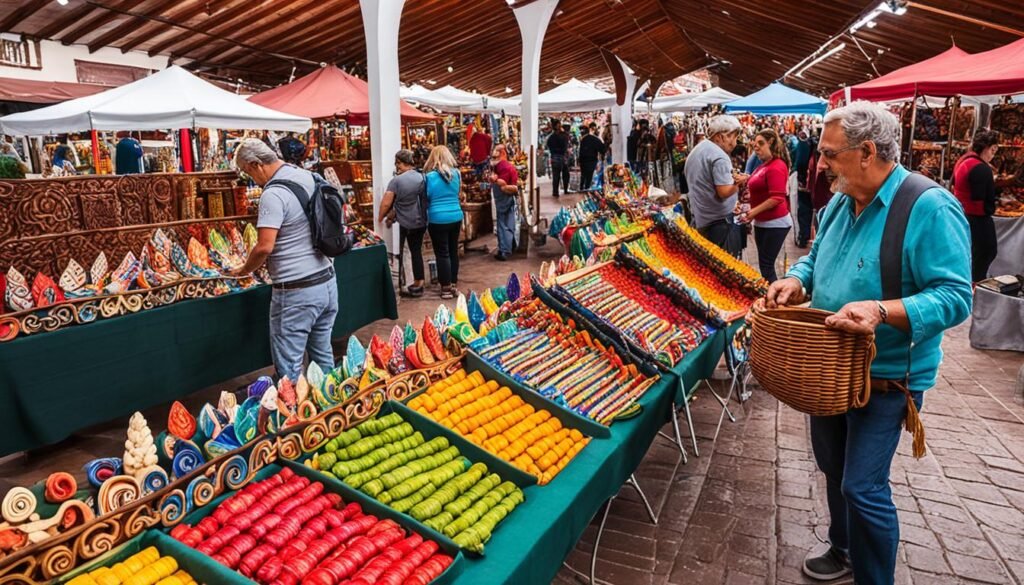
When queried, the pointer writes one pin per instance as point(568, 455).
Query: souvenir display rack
point(1008, 164)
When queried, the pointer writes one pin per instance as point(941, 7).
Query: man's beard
point(839, 184)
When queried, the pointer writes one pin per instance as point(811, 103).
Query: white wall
point(59, 61)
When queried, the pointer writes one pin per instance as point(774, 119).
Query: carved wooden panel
point(70, 217)
point(100, 210)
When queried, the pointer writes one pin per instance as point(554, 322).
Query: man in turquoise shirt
point(859, 149)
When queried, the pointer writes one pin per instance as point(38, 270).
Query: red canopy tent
point(996, 72)
point(953, 72)
point(329, 92)
point(902, 83)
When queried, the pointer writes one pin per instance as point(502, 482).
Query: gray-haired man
point(904, 282)
point(304, 301)
point(713, 185)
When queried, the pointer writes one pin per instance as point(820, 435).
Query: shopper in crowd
point(304, 297)
point(444, 216)
point(769, 201)
point(558, 147)
point(127, 155)
point(753, 161)
point(821, 186)
point(975, 186)
point(404, 201)
point(293, 150)
point(504, 188)
point(62, 161)
point(713, 185)
point(591, 150)
point(11, 165)
point(859, 149)
point(645, 149)
point(606, 138)
point(480, 148)
point(631, 144)
point(804, 205)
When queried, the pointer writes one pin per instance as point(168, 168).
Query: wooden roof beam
point(153, 30)
point(328, 35)
point(255, 38)
point(212, 24)
point(21, 13)
point(130, 26)
point(100, 18)
point(74, 16)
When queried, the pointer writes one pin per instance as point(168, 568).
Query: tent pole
point(913, 128)
point(95, 152)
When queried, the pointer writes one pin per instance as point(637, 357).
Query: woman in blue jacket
point(444, 215)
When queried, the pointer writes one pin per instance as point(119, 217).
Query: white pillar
point(381, 20)
point(533, 19)
point(622, 114)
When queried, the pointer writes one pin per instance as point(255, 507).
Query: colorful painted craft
point(649, 319)
point(146, 567)
point(549, 355)
point(17, 296)
point(45, 291)
point(500, 422)
point(431, 481)
point(287, 529)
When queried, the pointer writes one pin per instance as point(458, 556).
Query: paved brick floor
point(748, 509)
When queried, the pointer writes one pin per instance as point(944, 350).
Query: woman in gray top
point(404, 202)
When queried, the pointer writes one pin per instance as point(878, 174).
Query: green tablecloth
point(529, 546)
point(53, 384)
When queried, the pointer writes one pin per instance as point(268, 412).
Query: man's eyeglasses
point(830, 154)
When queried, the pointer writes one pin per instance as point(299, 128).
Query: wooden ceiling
point(748, 43)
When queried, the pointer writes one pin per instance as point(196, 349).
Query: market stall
point(778, 99)
point(86, 277)
point(339, 105)
point(558, 400)
point(124, 275)
point(574, 96)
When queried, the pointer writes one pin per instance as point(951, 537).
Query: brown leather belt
point(318, 278)
point(880, 385)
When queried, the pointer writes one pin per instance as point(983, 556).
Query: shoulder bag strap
point(891, 265)
point(296, 189)
point(895, 232)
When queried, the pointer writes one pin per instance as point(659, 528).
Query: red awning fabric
point(996, 72)
point(329, 92)
point(44, 92)
point(953, 72)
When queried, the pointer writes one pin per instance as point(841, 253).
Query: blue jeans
point(855, 451)
point(301, 320)
point(505, 206)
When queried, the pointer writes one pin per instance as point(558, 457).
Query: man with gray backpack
point(301, 227)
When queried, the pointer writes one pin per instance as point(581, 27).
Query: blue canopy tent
point(778, 99)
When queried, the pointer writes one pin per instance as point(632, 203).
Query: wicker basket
point(811, 368)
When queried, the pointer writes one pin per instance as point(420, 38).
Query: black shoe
point(415, 291)
point(826, 567)
point(801, 244)
point(500, 257)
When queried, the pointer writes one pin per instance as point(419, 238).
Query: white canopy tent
point(694, 101)
point(575, 96)
point(453, 99)
point(168, 99)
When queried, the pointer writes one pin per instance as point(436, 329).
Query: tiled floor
point(748, 509)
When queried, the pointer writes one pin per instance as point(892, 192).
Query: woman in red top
point(769, 200)
point(974, 185)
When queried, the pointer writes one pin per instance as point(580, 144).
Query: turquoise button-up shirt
point(843, 267)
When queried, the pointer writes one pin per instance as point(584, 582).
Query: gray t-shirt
point(707, 166)
point(408, 207)
point(294, 256)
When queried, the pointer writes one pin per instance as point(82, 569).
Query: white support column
point(622, 114)
point(381, 19)
point(533, 22)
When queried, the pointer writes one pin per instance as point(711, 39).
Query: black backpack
point(326, 213)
